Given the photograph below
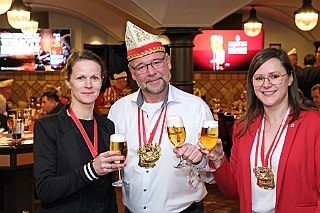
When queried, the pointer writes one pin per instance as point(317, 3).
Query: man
point(117, 91)
point(5, 89)
point(294, 59)
point(318, 57)
point(315, 93)
point(51, 103)
point(154, 184)
point(308, 76)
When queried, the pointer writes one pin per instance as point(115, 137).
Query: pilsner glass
point(119, 142)
point(209, 138)
point(177, 136)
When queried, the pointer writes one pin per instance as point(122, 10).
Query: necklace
point(264, 173)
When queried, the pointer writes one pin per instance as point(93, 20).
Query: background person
point(308, 76)
point(293, 56)
point(155, 185)
point(273, 165)
point(3, 117)
point(51, 103)
point(5, 88)
point(305, 101)
point(315, 94)
point(72, 163)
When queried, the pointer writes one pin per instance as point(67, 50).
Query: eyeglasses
point(274, 79)
point(155, 64)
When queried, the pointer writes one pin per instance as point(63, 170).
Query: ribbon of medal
point(149, 153)
point(93, 148)
point(264, 174)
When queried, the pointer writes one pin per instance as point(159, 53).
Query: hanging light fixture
point(5, 6)
point(18, 14)
point(31, 26)
point(252, 26)
point(306, 17)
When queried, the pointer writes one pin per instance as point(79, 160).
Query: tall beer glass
point(209, 138)
point(177, 136)
point(119, 142)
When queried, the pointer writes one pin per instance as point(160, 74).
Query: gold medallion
point(265, 177)
point(148, 155)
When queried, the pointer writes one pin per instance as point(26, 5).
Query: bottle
point(56, 53)
point(218, 53)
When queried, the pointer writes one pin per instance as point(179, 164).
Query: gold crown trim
point(146, 52)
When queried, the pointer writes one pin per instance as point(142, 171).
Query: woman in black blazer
point(73, 166)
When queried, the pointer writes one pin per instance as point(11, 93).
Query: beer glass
point(119, 142)
point(177, 136)
point(209, 138)
point(17, 130)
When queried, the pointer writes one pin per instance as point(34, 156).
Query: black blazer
point(60, 180)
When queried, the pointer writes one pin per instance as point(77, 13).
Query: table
point(16, 175)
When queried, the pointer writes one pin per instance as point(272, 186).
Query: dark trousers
point(193, 208)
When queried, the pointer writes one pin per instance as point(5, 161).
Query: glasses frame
point(264, 79)
point(147, 66)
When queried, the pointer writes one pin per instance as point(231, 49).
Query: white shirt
point(162, 188)
point(263, 200)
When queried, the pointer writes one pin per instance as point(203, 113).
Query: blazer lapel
point(291, 132)
point(246, 167)
point(68, 139)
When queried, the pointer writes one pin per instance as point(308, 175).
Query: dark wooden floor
point(214, 202)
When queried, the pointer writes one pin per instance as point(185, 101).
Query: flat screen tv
point(225, 50)
point(46, 50)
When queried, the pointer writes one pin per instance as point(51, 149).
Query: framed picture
point(277, 46)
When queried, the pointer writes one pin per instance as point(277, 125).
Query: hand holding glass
point(119, 142)
point(177, 136)
point(209, 138)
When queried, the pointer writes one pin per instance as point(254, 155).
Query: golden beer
point(122, 146)
point(209, 137)
point(177, 135)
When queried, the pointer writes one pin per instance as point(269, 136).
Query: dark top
point(57, 108)
point(3, 122)
point(60, 155)
point(307, 78)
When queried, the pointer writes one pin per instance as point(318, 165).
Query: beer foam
point(118, 137)
point(210, 124)
point(175, 121)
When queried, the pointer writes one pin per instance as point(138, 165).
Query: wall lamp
point(18, 15)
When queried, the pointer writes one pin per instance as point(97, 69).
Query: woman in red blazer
point(275, 158)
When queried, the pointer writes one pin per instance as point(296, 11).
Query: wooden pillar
point(181, 54)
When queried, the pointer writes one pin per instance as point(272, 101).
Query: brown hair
point(254, 105)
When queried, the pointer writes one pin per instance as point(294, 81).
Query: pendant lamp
point(252, 26)
point(5, 6)
point(31, 26)
point(18, 14)
point(306, 17)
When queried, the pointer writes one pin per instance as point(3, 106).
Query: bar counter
point(16, 175)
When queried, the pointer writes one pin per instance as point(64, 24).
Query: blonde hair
point(3, 104)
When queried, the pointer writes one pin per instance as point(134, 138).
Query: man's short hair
point(309, 59)
point(316, 87)
point(52, 96)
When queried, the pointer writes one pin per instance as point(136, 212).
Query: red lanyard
point(93, 149)
point(154, 130)
point(272, 147)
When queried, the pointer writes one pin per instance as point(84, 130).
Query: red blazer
point(298, 180)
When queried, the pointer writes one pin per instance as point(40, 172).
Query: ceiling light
point(306, 17)
point(5, 6)
point(31, 26)
point(18, 14)
point(252, 26)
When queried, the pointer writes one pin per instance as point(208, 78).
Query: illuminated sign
point(225, 50)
